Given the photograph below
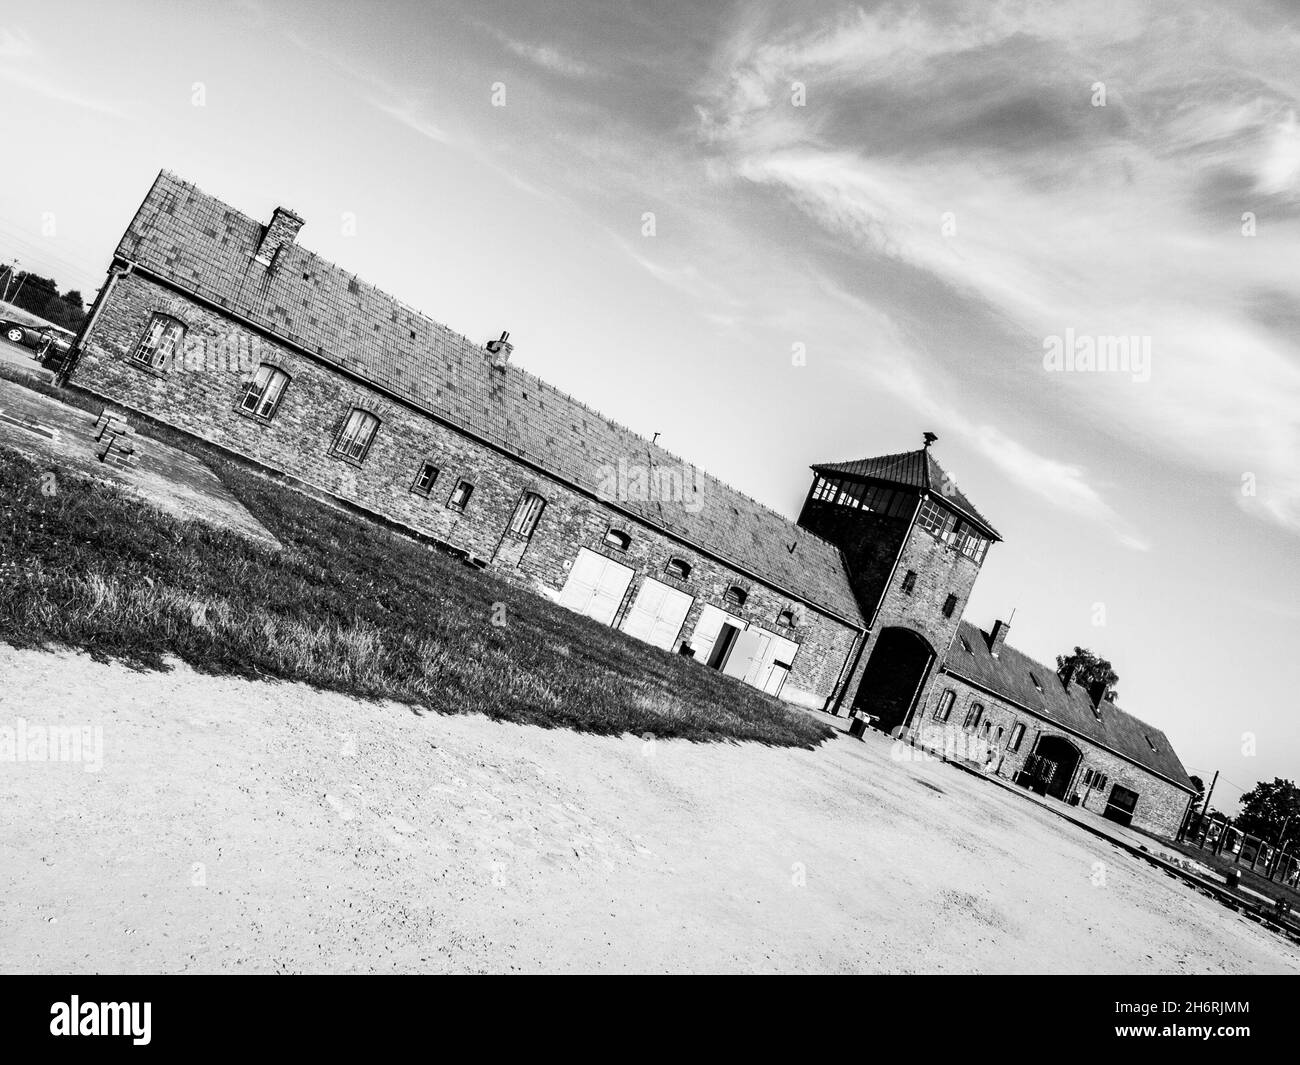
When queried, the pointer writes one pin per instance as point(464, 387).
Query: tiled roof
point(1009, 675)
point(203, 245)
point(913, 469)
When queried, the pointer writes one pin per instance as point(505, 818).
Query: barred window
point(1017, 734)
point(357, 436)
point(949, 605)
point(736, 595)
point(973, 716)
point(524, 523)
point(944, 707)
point(909, 581)
point(263, 393)
point(163, 340)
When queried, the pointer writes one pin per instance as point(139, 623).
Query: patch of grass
point(348, 606)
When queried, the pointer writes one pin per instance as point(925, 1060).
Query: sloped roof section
point(200, 244)
point(913, 469)
point(1009, 674)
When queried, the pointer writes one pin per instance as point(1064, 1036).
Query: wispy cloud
point(549, 58)
point(24, 66)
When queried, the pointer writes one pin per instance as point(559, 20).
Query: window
point(935, 519)
point(973, 716)
point(786, 618)
point(736, 595)
point(949, 605)
point(1149, 743)
point(824, 489)
point(357, 436)
point(944, 707)
point(162, 341)
point(1017, 734)
point(909, 581)
point(425, 479)
point(1034, 677)
point(460, 495)
point(678, 568)
point(526, 516)
point(969, 542)
point(966, 644)
point(262, 394)
point(617, 539)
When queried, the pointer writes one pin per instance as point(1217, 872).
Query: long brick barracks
point(227, 328)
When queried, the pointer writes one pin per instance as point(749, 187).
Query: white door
point(596, 586)
point(707, 629)
point(770, 669)
point(744, 649)
point(657, 613)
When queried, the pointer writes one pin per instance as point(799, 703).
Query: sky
point(780, 234)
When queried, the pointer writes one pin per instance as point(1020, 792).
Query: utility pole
point(9, 279)
point(1206, 805)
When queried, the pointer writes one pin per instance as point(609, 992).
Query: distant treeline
point(40, 296)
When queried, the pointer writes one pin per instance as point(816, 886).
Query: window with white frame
point(936, 519)
point(460, 495)
point(263, 393)
point(358, 434)
point(424, 480)
point(163, 340)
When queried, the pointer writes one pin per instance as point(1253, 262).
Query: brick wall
point(200, 395)
point(1160, 807)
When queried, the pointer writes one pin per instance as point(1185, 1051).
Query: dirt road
point(243, 826)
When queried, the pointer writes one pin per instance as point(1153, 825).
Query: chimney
point(1097, 692)
point(500, 350)
point(281, 233)
point(998, 636)
point(1066, 673)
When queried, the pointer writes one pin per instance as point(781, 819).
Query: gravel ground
point(254, 827)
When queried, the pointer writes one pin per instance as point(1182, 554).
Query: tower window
point(358, 434)
point(949, 605)
point(460, 495)
point(936, 519)
point(163, 340)
point(909, 581)
point(527, 514)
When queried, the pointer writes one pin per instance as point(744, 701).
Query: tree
point(1267, 807)
point(1088, 667)
point(1199, 784)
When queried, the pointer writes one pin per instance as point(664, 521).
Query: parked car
point(34, 336)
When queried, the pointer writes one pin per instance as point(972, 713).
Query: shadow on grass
point(347, 605)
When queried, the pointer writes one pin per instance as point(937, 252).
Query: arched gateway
point(895, 676)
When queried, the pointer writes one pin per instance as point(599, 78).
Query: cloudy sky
point(919, 197)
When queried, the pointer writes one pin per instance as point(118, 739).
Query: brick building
point(229, 329)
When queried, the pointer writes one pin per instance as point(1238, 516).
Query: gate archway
point(1051, 766)
point(895, 677)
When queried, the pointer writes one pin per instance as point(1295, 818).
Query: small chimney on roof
point(500, 349)
point(1067, 672)
point(280, 233)
point(1098, 692)
point(998, 636)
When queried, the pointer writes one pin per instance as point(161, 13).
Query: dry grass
point(346, 605)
